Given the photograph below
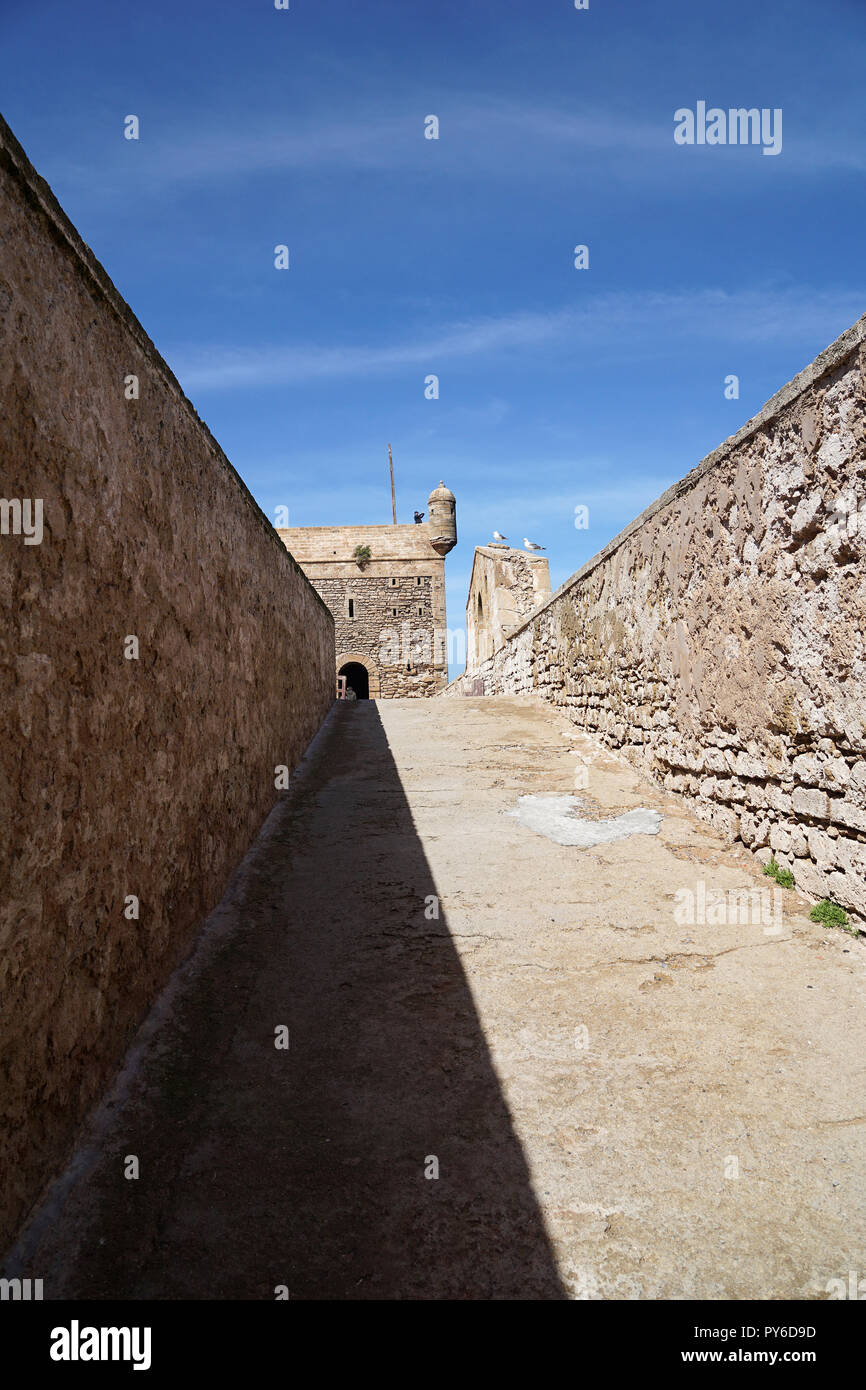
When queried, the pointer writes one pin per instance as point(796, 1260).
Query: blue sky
point(558, 387)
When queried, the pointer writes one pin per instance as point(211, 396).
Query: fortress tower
point(442, 519)
point(505, 586)
point(388, 607)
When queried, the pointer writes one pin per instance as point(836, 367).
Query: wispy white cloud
point(489, 137)
point(474, 136)
point(227, 368)
point(630, 323)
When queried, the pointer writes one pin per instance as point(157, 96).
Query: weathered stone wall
point(119, 777)
point(391, 631)
point(405, 653)
point(719, 640)
point(506, 585)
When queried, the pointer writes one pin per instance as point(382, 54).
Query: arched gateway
point(361, 674)
point(385, 587)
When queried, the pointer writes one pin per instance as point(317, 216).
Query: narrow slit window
point(351, 608)
point(393, 612)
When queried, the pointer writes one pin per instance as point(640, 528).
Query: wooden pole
point(393, 494)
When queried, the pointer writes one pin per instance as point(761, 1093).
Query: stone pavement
point(632, 1082)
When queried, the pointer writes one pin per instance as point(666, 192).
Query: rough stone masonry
point(133, 774)
point(719, 640)
point(389, 611)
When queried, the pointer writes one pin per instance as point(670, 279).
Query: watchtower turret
point(442, 519)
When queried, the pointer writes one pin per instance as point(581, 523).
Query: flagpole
point(393, 494)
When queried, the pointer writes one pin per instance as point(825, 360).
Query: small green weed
point(783, 877)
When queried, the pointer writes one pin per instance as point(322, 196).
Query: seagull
point(530, 545)
point(497, 537)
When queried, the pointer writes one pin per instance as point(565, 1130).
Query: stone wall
point(119, 777)
point(390, 630)
point(505, 586)
point(719, 640)
point(405, 653)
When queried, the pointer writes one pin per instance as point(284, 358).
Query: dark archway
point(357, 677)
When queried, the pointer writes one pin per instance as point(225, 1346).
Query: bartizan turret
point(442, 519)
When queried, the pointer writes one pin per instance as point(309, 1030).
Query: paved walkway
point(619, 1104)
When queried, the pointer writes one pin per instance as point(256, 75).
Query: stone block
point(807, 768)
point(851, 856)
point(847, 813)
point(757, 795)
point(779, 799)
point(780, 839)
point(848, 891)
point(857, 784)
point(822, 848)
point(810, 879)
point(747, 766)
point(762, 833)
point(714, 760)
point(806, 519)
point(836, 774)
point(809, 801)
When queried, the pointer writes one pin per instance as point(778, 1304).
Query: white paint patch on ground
point(553, 816)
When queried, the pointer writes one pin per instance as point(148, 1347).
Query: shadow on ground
point(305, 1167)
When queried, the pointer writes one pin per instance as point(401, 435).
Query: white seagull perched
point(530, 545)
point(497, 537)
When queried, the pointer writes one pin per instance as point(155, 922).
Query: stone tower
point(442, 519)
point(388, 606)
point(506, 585)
